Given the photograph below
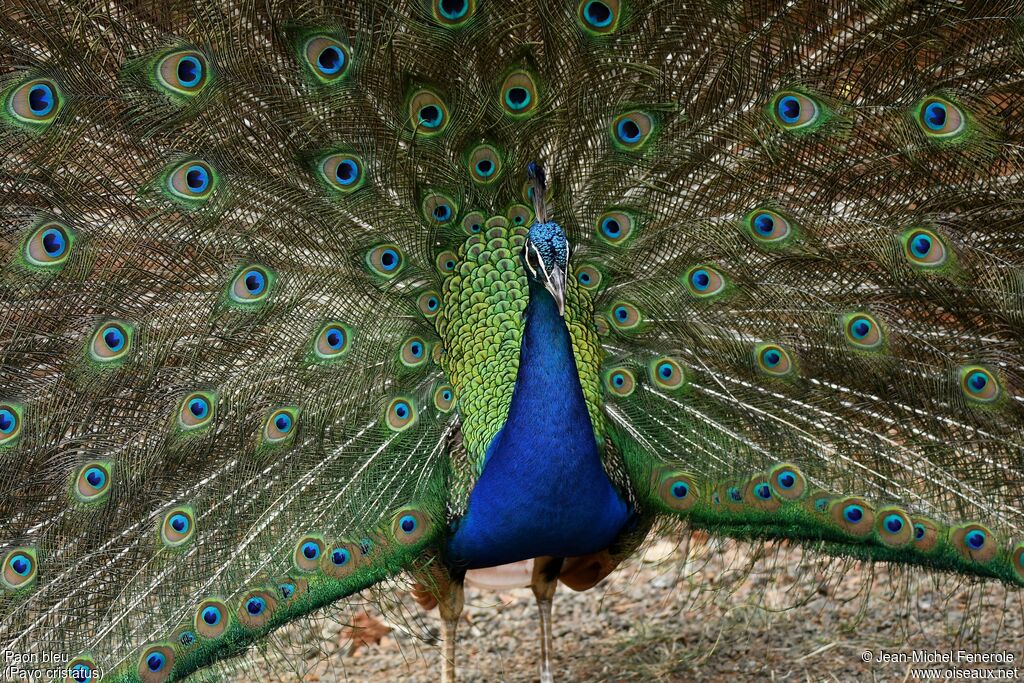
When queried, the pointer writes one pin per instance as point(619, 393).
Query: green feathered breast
point(481, 327)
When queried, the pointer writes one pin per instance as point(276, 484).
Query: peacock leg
point(449, 602)
point(545, 580)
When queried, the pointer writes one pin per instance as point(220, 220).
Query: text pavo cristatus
point(287, 309)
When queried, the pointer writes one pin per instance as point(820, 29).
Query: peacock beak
point(555, 283)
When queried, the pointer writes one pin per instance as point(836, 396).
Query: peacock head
point(546, 256)
point(546, 251)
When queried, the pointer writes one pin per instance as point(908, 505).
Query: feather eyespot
point(156, 663)
point(429, 304)
point(440, 209)
point(667, 373)
point(924, 249)
point(894, 527)
point(49, 245)
point(342, 172)
point(112, 342)
point(588, 276)
point(519, 215)
point(519, 94)
point(332, 341)
point(10, 424)
point(83, 670)
point(853, 515)
point(385, 261)
point(794, 111)
point(925, 534)
point(428, 113)
point(632, 130)
point(255, 608)
point(975, 542)
point(192, 181)
point(599, 17)
point(625, 316)
point(183, 73)
point(768, 228)
point(453, 13)
point(473, 223)
point(485, 164)
point(788, 481)
point(678, 490)
point(1017, 559)
point(280, 426)
point(326, 58)
point(940, 118)
point(341, 559)
point(444, 397)
point(177, 527)
point(863, 331)
point(308, 550)
point(704, 281)
point(410, 526)
point(620, 382)
point(773, 360)
point(251, 285)
point(414, 352)
point(979, 384)
point(400, 414)
point(20, 569)
point(211, 619)
point(615, 227)
point(446, 261)
point(196, 411)
point(35, 103)
point(92, 482)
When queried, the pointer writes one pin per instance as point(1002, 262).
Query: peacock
point(298, 297)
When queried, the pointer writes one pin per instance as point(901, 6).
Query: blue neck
point(543, 489)
point(548, 412)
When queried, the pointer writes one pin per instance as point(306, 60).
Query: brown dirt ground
point(791, 616)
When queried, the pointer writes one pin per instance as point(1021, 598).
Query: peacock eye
point(599, 17)
point(10, 423)
point(427, 112)
point(768, 228)
point(35, 103)
point(280, 425)
point(484, 164)
point(630, 131)
point(307, 553)
point(773, 360)
point(519, 94)
point(111, 342)
point(251, 285)
point(444, 397)
point(48, 245)
point(192, 181)
point(400, 414)
point(924, 249)
point(939, 118)
point(666, 373)
point(863, 331)
point(92, 482)
point(979, 384)
point(386, 261)
point(704, 281)
point(342, 172)
point(177, 527)
point(438, 208)
point(453, 13)
point(327, 58)
point(183, 73)
point(620, 382)
point(332, 341)
point(794, 110)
